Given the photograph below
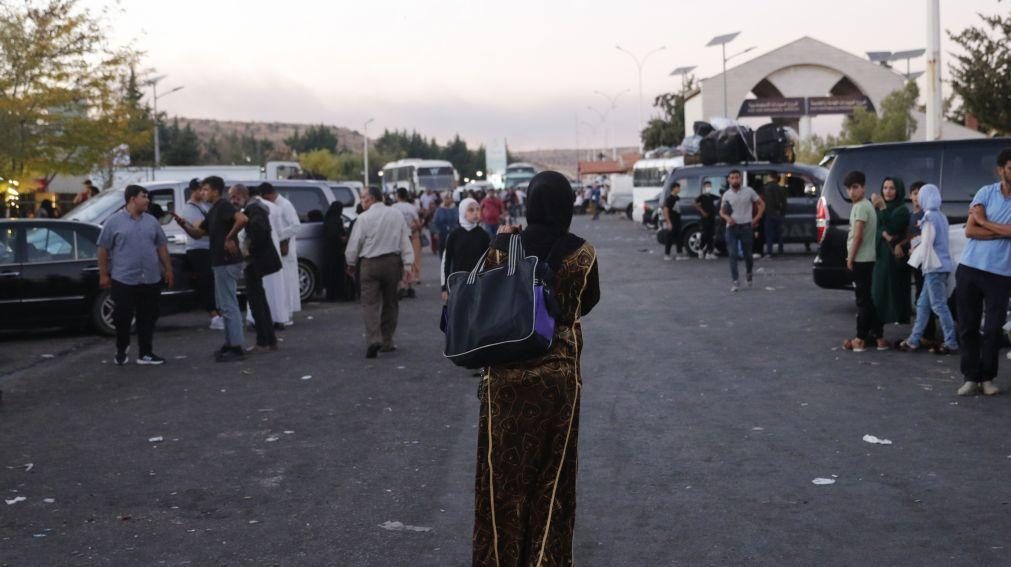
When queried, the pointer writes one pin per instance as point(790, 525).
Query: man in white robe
point(274, 285)
point(289, 229)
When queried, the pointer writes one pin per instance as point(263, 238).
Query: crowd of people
point(239, 234)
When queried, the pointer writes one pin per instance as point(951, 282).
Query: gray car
point(310, 198)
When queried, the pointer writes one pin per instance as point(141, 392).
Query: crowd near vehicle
point(417, 175)
point(311, 199)
point(519, 174)
point(803, 184)
point(49, 276)
point(958, 167)
point(648, 176)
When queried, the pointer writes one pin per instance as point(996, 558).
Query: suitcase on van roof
point(702, 128)
point(773, 143)
point(732, 144)
point(707, 149)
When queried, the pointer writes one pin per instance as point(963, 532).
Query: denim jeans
point(934, 297)
point(742, 234)
point(225, 282)
point(773, 234)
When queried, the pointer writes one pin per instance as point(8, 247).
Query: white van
point(648, 176)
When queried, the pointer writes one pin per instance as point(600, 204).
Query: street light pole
point(157, 120)
point(603, 122)
point(365, 135)
point(934, 104)
point(613, 104)
point(639, 63)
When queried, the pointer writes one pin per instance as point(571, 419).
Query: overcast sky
point(524, 70)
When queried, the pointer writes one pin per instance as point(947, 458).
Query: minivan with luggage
point(803, 186)
point(958, 167)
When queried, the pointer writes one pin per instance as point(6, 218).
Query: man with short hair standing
point(136, 247)
point(983, 281)
point(198, 255)
point(262, 259)
point(740, 208)
point(380, 248)
point(775, 197)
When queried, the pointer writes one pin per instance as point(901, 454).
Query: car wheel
point(308, 281)
point(692, 239)
point(628, 211)
point(101, 313)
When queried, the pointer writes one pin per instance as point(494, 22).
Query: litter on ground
point(401, 527)
point(876, 441)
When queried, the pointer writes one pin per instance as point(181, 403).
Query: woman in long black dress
point(334, 238)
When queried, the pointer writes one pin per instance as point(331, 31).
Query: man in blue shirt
point(135, 245)
point(984, 278)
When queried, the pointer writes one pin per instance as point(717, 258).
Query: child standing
point(931, 256)
point(860, 245)
point(464, 245)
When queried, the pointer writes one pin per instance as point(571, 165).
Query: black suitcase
point(707, 149)
point(702, 128)
point(774, 144)
point(733, 144)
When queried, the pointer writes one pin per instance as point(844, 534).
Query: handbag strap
point(514, 255)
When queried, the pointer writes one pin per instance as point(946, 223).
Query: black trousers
point(199, 262)
point(259, 307)
point(868, 326)
point(708, 232)
point(980, 294)
point(140, 301)
point(673, 236)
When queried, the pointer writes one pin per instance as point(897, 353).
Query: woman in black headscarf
point(334, 238)
point(526, 465)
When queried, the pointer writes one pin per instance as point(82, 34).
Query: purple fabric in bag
point(544, 323)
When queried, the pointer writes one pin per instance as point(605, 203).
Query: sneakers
point(150, 360)
point(217, 323)
point(989, 389)
point(230, 354)
point(681, 257)
point(666, 258)
point(373, 351)
point(121, 358)
point(711, 256)
point(969, 389)
point(735, 286)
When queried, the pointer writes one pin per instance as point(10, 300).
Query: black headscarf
point(549, 204)
point(333, 222)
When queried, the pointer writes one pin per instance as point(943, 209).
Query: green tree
point(62, 109)
point(181, 145)
point(981, 74)
point(894, 122)
point(669, 128)
point(315, 138)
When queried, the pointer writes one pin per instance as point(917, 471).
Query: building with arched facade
point(800, 80)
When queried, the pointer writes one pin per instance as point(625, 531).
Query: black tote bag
point(499, 315)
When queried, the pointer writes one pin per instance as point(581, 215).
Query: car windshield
point(98, 208)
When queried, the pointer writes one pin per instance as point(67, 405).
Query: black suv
point(958, 167)
point(803, 184)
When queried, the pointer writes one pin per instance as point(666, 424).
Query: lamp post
point(603, 122)
point(722, 41)
point(157, 120)
point(639, 63)
point(934, 100)
point(612, 105)
point(365, 135)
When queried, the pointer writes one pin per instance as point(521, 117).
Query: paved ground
point(706, 416)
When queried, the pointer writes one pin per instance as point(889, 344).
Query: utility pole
point(365, 135)
point(157, 120)
point(639, 63)
point(934, 105)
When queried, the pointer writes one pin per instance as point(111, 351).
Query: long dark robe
point(890, 287)
point(525, 494)
point(334, 275)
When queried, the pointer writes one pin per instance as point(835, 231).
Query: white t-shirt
point(195, 213)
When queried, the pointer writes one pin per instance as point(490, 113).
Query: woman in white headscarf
point(465, 244)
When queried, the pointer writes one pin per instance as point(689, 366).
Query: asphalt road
point(706, 416)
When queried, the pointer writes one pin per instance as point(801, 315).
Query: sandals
point(855, 345)
point(904, 346)
point(883, 345)
point(943, 350)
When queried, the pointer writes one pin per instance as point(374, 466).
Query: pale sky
point(524, 70)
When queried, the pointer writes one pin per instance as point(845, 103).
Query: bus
point(648, 176)
point(519, 173)
point(417, 175)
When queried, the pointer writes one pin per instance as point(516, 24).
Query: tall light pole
point(683, 71)
point(639, 63)
point(157, 120)
point(933, 70)
point(365, 134)
point(612, 105)
point(603, 121)
point(722, 41)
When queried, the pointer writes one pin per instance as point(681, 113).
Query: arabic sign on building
point(800, 106)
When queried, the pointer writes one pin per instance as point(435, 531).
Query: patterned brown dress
point(525, 503)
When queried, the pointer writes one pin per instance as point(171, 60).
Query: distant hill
point(275, 132)
point(563, 160)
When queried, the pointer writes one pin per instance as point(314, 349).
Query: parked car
point(803, 184)
point(310, 198)
point(49, 277)
point(958, 167)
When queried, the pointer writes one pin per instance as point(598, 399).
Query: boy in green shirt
point(861, 253)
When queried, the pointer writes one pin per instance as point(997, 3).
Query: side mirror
point(810, 190)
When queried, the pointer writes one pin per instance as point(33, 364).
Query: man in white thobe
point(274, 285)
point(289, 228)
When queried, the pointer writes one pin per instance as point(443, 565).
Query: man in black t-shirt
point(672, 220)
point(705, 204)
point(223, 224)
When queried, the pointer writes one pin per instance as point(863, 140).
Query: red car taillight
point(821, 219)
